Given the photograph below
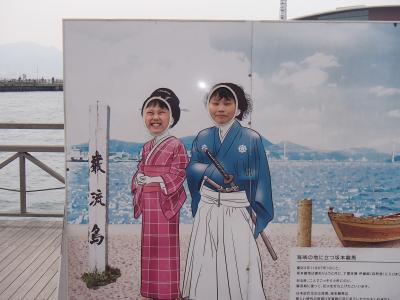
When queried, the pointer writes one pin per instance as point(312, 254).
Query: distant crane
point(283, 10)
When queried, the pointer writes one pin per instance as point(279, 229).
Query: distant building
point(358, 13)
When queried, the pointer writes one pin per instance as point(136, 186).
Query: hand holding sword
point(228, 179)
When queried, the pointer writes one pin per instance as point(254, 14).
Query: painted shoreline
point(124, 253)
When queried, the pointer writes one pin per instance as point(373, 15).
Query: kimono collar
point(156, 142)
point(159, 138)
point(222, 148)
point(223, 129)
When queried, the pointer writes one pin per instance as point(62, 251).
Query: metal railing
point(22, 153)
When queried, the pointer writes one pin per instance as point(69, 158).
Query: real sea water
point(32, 107)
point(364, 188)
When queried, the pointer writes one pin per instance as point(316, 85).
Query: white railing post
point(98, 187)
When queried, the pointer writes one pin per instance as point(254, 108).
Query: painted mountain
point(279, 151)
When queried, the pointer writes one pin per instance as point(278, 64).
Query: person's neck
point(224, 128)
point(162, 136)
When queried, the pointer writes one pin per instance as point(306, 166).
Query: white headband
point(237, 110)
point(171, 118)
point(223, 86)
point(157, 98)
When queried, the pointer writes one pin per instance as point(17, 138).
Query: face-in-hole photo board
point(321, 132)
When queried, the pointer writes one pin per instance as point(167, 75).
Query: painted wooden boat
point(354, 230)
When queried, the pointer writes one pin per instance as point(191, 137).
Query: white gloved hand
point(155, 179)
point(140, 179)
point(143, 179)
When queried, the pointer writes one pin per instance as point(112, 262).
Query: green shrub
point(95, 279)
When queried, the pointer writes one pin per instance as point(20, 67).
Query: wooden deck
point(30, 253)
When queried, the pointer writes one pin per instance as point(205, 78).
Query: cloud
point(394, 113)
point(321, 61)
point(382, 91)
point(307, 74)
point(138, 67)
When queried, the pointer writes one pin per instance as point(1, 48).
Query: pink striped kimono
point(160, 264)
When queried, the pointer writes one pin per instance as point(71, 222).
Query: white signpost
point(99, 116)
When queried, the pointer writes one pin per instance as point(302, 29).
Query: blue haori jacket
point(242, 155)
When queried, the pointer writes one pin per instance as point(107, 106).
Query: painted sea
point(361, 187)
point(365, 188)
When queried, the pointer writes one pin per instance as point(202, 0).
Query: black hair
point(168, 96)
point(244, 102)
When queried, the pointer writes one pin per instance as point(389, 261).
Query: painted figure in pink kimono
point(158, 195)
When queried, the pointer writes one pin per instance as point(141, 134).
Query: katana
point(228, 179)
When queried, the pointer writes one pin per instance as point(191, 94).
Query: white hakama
point(223, 261)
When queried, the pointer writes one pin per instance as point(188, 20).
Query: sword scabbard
point(228, 179)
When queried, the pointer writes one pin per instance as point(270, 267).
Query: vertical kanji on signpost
point(98, 187)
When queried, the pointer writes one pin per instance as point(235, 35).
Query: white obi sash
point(233, 199)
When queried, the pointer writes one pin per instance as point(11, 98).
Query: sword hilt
point(218, 165)
point(228, 179)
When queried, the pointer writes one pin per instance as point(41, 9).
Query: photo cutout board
point(324, 113)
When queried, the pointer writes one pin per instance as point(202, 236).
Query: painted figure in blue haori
point(228, 178)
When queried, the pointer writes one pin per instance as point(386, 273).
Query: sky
point(341, 92)
point(326, 94)
point(40, 21)
point(304, 74)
